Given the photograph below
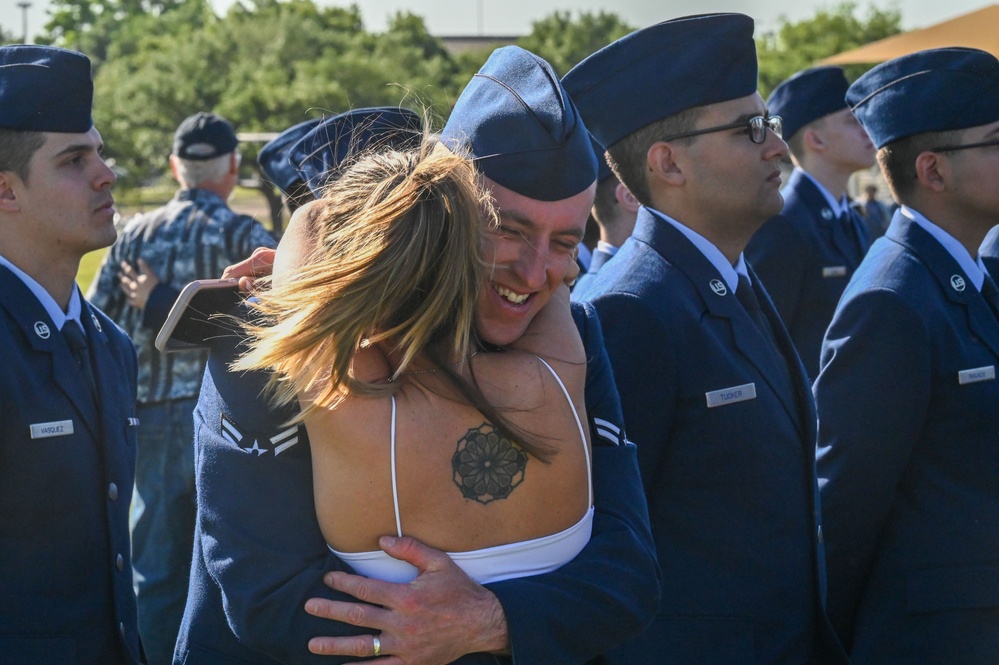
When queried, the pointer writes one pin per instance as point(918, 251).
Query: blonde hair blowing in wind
point(397, 262)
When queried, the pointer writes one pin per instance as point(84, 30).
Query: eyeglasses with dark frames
point(966, 146)
point(757, 128)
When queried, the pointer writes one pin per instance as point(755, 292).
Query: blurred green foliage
point(268, 64)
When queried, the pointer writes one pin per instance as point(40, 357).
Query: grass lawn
point(247, 201)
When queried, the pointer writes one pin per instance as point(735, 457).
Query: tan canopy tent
point(979, 29)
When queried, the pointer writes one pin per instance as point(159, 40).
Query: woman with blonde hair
point(416, 427)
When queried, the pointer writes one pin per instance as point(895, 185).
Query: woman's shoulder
point(521, 380)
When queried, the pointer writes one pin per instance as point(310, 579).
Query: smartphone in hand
point(199, 315)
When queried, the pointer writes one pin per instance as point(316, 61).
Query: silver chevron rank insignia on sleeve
point(251, 442)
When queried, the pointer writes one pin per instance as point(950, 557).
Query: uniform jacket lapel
point(955, 285)
point(43, 337)
point(599, 259)
point(802, 409)
point(721, 304)
point(825, 219)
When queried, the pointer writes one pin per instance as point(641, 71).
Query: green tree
point(564, 41)
point(795, 46)
point(265, 65)
point(90, 26)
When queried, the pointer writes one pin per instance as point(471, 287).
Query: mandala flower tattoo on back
point(487, 465)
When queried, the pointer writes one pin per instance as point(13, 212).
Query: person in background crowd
point(194, 236)
point(615, 210)
point(876, 215)
point(806, 254)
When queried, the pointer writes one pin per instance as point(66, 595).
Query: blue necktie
point(77, 342)
point(747, 297)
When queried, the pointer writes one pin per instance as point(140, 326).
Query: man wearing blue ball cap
point(194, 236)
point(907, 395)
point(67, 391)
point(807, 253)
point(262, 555)
point(712, 390)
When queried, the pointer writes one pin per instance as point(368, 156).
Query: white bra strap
point(395, 489)
point(579, 425)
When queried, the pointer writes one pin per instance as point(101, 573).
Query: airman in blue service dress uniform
point(615, 210)
point(67, 390)
point(806, 254)
point(907, 397)
point(713, 393)
point(260, 555)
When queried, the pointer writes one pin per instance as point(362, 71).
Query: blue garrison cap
point(45, 89)
point(319, 153)
point(661, 70)
point(807, 96)
point(274, 157)
point(930, 91)
point(516, 121)
point(204, 136)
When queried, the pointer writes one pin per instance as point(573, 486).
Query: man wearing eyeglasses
point(908, 394)
point(713, 392)
point(807, 253)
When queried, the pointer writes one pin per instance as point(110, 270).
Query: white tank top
point(491, 564)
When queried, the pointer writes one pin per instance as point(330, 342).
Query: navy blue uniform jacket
point(805, 257)
point(597, 262)
point(259, 553)
point(731, 488)
point(908, 406)
point(65, 565)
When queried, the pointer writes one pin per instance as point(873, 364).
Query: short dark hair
point(898, 159)
point(627, 157)
point(16, 150)
point(605, 200)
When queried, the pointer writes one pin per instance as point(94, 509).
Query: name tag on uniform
point(57, 428)
point(834, 271)
point(975, 375)
point(731, 395)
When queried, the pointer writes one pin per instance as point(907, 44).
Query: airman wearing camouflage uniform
point(194, 236)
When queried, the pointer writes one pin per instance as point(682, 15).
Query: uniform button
point(120, 562)
point(820, 535)
point(113, 492)
point(121, 627)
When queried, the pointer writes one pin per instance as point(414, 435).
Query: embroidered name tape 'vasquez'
point(56, 428)
point(731, 395)
point(834, 271)
point(987, 373)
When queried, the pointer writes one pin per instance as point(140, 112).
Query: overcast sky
point(514, 17)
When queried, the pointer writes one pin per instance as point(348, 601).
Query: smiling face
point(64, 206)
point(529, 254)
